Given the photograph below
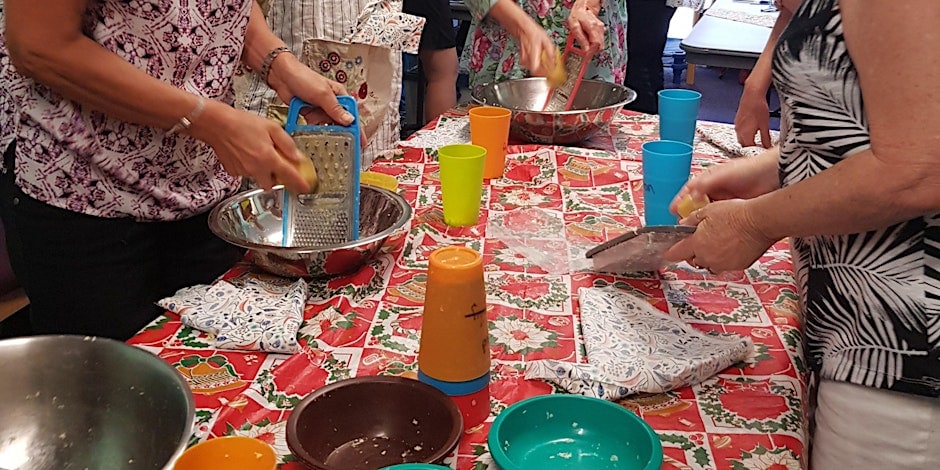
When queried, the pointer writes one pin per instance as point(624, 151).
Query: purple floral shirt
point(493, 54)
point(84, 161)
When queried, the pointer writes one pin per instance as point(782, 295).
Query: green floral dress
point(493, 55)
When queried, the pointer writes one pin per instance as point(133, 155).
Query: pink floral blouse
point(492, 54)
point(82, 160)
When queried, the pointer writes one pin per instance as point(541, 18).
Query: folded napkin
point(765, 19)
point(723, 137)
point(633, 347)
point(382, 24)
point(448, 130)
point(256, 316)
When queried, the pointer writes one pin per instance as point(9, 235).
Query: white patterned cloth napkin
point(257, 316)
point(633, 347)
point(448, 130)
point(382, 24)
point(723, 137)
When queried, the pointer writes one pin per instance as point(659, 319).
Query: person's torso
point(492, 55)
point(356, 43)
point(80, 159)
point(872, 300)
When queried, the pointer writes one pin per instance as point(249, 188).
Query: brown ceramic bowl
point(373, 422)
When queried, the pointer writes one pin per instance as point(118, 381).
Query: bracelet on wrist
point(268, 61)
point(186, 121)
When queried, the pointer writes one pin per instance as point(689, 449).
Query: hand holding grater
point(561, 97)
point(329, 216)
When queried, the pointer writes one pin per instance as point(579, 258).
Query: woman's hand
point(753, 117)
point(251, 146)
point(745, 178)
point(289, 78)
point(587, 28)
point(727, 237)
point(537, 51)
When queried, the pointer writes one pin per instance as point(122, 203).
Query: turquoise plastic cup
point(461, 182)
point(666, 168)
point(561, 431)
point(678, 113)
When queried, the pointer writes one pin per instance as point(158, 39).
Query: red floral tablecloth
point(750, 416)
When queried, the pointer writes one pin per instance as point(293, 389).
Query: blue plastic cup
point(666, 168)
point(678, 112)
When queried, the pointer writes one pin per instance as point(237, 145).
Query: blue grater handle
point(350, 105)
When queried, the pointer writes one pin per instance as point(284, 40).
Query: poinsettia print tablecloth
point(748, 416)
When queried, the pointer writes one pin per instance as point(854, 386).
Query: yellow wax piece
point(688, 205)
point(379, 180)
point(309, 172)
point(557, 75)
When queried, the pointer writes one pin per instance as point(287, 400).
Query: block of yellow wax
point(557, 74)
point(688, 205)
point(309, 173)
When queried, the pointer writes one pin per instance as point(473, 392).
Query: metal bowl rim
point(213, 225)
point(620, 104)
point(55, 343)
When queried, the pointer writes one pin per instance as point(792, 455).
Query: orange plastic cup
point(226, 453)
point(455, 337)
point(489, 128)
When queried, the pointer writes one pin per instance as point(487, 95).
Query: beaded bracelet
point(188, 119)
point(269, 61)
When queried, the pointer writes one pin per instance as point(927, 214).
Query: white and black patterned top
point(82, 160)
point(872, 300)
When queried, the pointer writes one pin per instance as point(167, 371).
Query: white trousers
point(866, 428)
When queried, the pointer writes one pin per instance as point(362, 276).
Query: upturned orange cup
point(489, 128)
point(455, 338)
point(226, 453)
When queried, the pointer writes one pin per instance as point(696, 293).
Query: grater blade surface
point(330, 215)
point(323, 218)
point(558, 97)
point(576, 62)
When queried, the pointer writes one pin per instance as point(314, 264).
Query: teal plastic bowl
point(561, 431)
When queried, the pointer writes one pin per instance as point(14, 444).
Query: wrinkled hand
point(296, 79)
point(739, 178)
point(753, 117)
point(252, 146)
point(293, 78)
point(536, 50)
point(727, 238)
point(588, 30)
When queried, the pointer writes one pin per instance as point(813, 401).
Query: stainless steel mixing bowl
point(252, 220)
point(594, 107)
point(73, 402)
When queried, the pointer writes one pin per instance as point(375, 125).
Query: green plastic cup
point(461, 182)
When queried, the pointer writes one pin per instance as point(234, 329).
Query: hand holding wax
point(690, 204)
point(308, 171)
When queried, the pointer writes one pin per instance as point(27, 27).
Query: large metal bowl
point(73, 402)
point(594, 107)
point(252, 220)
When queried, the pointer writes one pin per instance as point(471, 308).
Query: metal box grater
point(576, 62)
point(329, 216)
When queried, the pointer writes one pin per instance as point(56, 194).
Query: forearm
point(512, 18)
point(259, 41)
point(83, 71)
point(758, 81)
point(859, 194)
